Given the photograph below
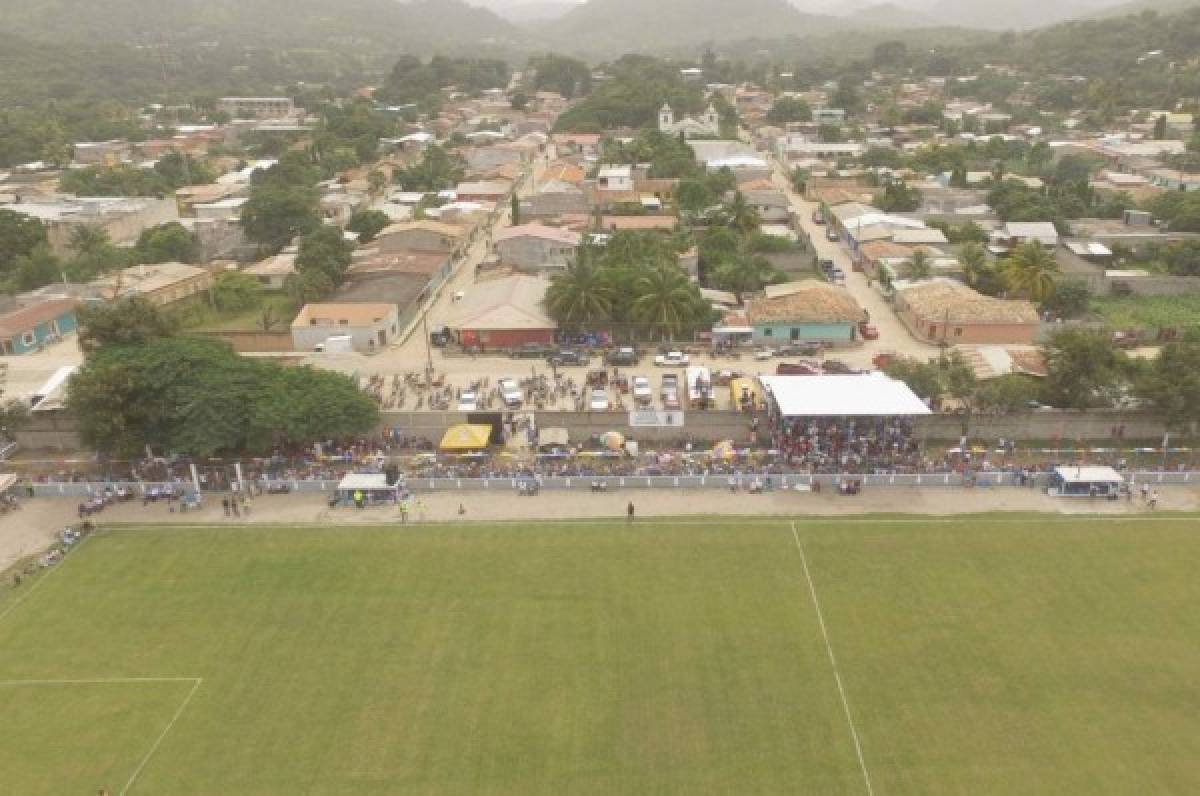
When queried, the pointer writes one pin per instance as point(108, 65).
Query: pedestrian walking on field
point(629, 512)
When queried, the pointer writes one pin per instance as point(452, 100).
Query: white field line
point(837, 677)
point(158, 741)
point(195, 681)
point(832, 519)
point(25, 595)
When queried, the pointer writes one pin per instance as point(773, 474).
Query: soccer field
point(975, 655)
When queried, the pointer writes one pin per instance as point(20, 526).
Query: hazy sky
point(984, 14)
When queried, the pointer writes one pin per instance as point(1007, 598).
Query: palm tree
point(740, 215)
point(1031, 270)
point(974, 261)
point(665, 299)
point(580, 295)
point(919, 266)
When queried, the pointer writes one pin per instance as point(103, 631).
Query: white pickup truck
point(672, 359)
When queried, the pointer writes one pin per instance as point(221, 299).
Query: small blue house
point(805, 312)
point(29, 329)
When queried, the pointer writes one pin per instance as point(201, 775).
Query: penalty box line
point(837, 677)
point(145, 760)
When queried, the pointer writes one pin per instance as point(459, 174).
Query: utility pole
point(428, 350)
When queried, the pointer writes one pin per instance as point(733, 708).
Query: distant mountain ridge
point(893, 16)
point(620, 26)
point(423, 25)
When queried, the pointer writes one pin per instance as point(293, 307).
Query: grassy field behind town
point(982, 655)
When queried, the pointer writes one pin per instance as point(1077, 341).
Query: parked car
point(569, 358)
point(671, 359)
point(468, 402)
point(641, 390)
point(440, 337)
point(625, 355)
point(532, 351)
point(510, 393)
point(868, 331)
point(799, 350)
point(763, 354)
point(818, 217)
point(836, 367)
point(670, 391)
point(797, 369)
point(598, 402)
point(831, 234)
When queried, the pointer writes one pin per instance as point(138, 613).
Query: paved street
point(894, 337)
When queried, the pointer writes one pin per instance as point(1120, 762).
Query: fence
point(85, 489)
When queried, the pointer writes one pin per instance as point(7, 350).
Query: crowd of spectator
point(862, 445)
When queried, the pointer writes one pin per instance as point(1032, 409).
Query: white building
point(256, 107)
point(615, 178)
point(709, 124)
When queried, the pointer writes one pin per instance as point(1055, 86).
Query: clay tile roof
point(954, 302)
point(809, 301)
point(24, 320)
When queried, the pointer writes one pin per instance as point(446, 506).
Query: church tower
point(666, 119)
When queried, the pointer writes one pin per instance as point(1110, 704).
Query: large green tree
point(1084, 370)
point(166, 243)
point(274, 216)
point(130, 321)
point(1172, 384)
point(19, 236)
point(327, 252)
point(199, 397)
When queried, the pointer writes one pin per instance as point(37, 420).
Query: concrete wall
point(1069, 426)
point(122, 227)
point(57, 430)
point(243, 342)
point(1150, 285)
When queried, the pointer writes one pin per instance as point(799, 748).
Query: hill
point(421, 26)
point(613, 27)
point(1006, 14)
point(1138, 6)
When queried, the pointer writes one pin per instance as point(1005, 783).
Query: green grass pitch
point(979, 655)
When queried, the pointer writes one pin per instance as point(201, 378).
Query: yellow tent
point(737, 386)
point(724, 450)
point(613, 440)
point(466, 438)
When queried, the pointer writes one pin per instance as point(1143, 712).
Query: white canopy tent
point(373, 487)
point(851, 395)
point(1086, 481)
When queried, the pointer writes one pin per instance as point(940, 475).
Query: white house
point(615, 178)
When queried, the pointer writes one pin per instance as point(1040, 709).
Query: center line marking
point(837, 677)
